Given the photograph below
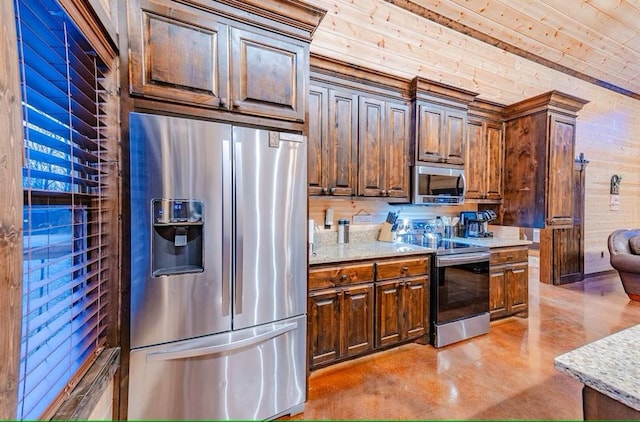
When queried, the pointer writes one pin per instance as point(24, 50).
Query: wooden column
point(11, 147)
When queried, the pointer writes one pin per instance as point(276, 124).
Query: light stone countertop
point(364, 245)
point(609, 365)
point(335, 253)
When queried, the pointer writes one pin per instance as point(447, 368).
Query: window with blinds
point(69, 194)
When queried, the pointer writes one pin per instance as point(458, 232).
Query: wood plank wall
point(383, 37)
point(11, 148)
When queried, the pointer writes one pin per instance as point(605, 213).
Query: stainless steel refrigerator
point(218, 270)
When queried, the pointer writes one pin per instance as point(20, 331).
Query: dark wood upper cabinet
point(317, 130)
point(219, 56)
point(477, 164)
point(342, 144)
point(268, 74)
point(396, 150)
point(358, 133)
point(371, 138)
point(539, 156)
point(177, 53)
point(485, 151)
point(439, 122)
point(383, 148)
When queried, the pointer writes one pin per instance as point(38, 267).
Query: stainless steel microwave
point(437, 185)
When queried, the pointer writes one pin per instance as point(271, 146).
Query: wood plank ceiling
point(594, 40)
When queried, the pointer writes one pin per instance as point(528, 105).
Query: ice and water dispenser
point(176, 244)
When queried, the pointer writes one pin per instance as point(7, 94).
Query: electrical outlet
point(601, 254)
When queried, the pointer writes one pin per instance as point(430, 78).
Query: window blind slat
point(47, 177)
point(62, 162)
point(56, 144)
point(43, 197)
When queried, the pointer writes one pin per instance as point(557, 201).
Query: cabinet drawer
point(402, 268)
point(327, 277)
point(506, 255)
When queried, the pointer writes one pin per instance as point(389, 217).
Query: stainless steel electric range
point(459, 286)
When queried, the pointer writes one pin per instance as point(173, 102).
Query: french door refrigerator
point(218, 270)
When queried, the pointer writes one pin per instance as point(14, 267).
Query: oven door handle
point(463, 258)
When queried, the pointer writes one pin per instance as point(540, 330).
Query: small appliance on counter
point(475, 223)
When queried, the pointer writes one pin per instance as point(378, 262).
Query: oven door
point(462, 286)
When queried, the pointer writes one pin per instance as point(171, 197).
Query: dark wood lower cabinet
point(324, 327)
point(509, 282)
point(340, 323)
point(351, 313)
point(357, 320)
point(402, 310)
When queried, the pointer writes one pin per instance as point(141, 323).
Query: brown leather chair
point(623, 260)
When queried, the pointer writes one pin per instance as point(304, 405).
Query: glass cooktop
point(448, 246)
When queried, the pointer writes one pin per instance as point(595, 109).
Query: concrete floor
point(506, 374)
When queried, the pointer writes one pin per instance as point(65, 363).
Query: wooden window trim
point(10, 212)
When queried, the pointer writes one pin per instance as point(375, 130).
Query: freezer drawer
point(256, 373)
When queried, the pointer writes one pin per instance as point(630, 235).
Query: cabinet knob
point(223, 102)
point(332, 191)
point(383, 192)
point(405, 269)
point(343, 277)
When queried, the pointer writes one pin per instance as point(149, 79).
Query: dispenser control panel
point(173, 211)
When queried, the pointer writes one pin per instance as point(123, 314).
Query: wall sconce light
point(615, 184)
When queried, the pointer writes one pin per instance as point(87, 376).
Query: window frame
point(84, 17)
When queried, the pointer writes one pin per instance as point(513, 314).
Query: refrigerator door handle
point(182, 353)
point(239, 200)
point(227, 233)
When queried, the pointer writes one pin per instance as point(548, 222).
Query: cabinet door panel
point(416, 305)
point(497, 293)
point(454, 142)
point(194, 72)
point(396, 151)
point(389, 313)
point(517, 280)
point(372, 148)
point(324, 327)
point(476, 161)
point(561, 158)
point(343, 143)
point(524, 184)
point(429, 131)
point(268, 74)
point(357, 320)
point(317, 149)
point(495, 165)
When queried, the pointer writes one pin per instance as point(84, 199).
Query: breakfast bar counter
point(610, 371)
